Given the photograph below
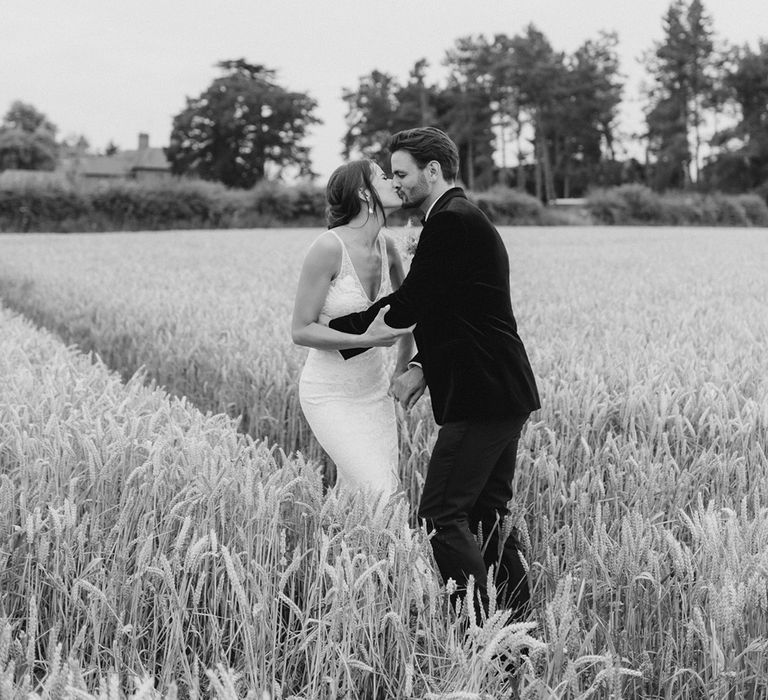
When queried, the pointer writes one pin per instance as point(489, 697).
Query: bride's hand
point(379, 334)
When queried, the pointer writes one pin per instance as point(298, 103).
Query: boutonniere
point(412, 233)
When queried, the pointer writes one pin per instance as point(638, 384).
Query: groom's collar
point(429, 211)
point(444, 197)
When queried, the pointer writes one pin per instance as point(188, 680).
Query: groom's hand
point(409, 387)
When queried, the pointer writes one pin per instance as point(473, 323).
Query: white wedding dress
point(345, 401)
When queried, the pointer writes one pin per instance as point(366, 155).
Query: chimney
point(143, 142)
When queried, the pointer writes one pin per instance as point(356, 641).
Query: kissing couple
point(353, 299)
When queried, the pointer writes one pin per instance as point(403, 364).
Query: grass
point(142, 537)
point(640, 489)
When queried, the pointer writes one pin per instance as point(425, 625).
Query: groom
point(473, 362)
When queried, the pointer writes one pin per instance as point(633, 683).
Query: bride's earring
point(370, 206)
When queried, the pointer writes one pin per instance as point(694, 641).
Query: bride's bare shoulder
point(324, 251)
point(326, 242)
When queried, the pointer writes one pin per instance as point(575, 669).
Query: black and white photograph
point(406, 350)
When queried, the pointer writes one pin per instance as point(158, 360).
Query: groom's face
point(409, 180)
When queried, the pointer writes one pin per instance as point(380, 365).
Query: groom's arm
point(424, 287)
point(356, 323)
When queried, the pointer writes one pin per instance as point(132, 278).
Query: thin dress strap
point(345, 259)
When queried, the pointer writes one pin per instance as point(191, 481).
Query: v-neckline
point(370, 300)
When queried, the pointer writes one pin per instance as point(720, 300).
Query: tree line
point(553, 116)
point(523, 114)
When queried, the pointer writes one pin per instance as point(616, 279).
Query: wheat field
point(165, 530)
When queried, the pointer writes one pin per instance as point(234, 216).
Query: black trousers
point(468, 485)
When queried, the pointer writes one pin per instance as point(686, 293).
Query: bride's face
point(385, 189)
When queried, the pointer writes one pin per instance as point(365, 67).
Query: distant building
point(145, 164)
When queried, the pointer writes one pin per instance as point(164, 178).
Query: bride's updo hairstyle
point(343, 192)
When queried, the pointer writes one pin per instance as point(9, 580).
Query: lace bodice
point(346, 293)
point(345, 296)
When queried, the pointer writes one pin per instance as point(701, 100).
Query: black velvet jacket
point(457, 294)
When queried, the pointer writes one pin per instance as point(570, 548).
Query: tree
point(27, 139)
point(585, 117)
point(468, 113)
point(242, 126)
point(742, 163)
point(684, 67)
point(371, 112)
point(538, 73)
point(27, 118)
point(496, 59)
point(596, 67)
point(74, 145)
point(568, 105)
point(416, 100)
point(381, 106)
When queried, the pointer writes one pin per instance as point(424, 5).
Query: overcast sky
point(110, 69)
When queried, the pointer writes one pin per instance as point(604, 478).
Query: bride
point(346, 269)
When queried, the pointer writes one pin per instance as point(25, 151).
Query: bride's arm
point(320, 266)
point(406, 346)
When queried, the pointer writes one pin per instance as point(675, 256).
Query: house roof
point(150, 159)
point(105, 166)
point(124, 163)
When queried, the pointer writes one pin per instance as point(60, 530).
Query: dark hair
point(425, 144)
point(342, 192)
